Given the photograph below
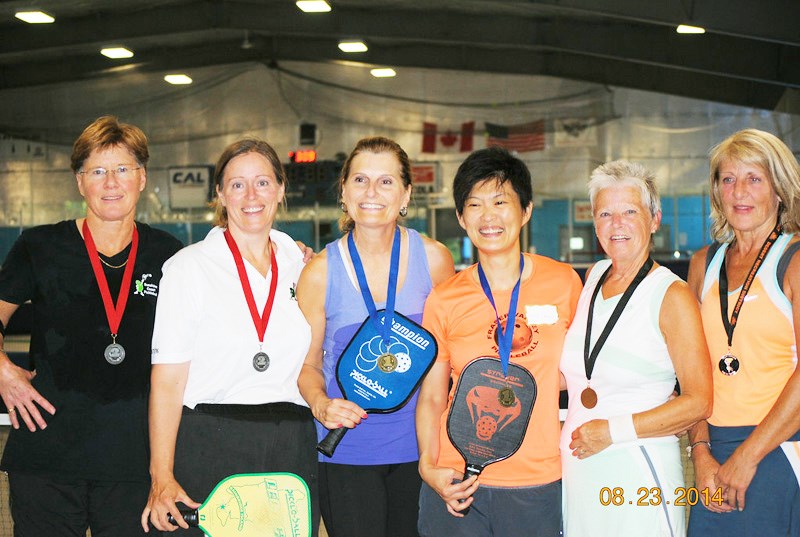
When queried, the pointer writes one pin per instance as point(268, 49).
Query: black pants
point(216, 441)
point(46, 507)
point(370, 501)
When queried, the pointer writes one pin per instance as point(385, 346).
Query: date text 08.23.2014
point(653, 496)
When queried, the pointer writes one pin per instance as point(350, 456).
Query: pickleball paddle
point(254, 505)
point(381, 377)
point(490, 413)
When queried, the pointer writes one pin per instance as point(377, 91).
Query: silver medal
point(114, 353)
point(261, 362)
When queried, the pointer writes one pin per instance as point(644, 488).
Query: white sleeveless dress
point(633, 373)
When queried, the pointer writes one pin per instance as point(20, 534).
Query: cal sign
point(189, 186)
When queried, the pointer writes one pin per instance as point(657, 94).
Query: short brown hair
point(105, 132)
point(768, 152)
point(375, 144)
point(241, 147)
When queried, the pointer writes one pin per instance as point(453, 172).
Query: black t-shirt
point(99, 430)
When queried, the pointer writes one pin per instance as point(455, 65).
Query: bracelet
point(621, 429)
point(690, 449)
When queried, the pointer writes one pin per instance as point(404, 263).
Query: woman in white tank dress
point(622, 472)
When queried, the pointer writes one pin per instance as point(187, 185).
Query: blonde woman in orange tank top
point(750, 446)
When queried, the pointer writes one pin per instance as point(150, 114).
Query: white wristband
point(621, 429)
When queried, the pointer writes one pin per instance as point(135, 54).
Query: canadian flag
point(448, 140)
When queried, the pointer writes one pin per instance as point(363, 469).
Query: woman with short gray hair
point(636, 329)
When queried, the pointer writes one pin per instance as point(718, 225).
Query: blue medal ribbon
point(391, 291)
point(506, 336)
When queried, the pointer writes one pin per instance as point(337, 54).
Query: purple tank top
point(382, 438)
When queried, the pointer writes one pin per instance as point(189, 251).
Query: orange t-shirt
point(463, 321)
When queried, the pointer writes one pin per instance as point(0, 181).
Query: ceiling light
point(686, 29)
point(178, 79)
point(313, 6)
point(116, 53)
point(384, 72)
point(352, 46)
point(34, 17)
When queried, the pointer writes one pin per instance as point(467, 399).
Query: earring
point(403, 211)
point(343, 207)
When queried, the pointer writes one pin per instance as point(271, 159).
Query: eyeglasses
point(120, 172)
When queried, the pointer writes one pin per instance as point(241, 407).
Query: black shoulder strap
point(712, 250)
point(786, 258)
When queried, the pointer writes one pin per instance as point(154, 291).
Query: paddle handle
point(470, 471)
point(189, 515)
point(331, 440)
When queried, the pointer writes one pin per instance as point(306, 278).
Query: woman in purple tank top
point(370, 486)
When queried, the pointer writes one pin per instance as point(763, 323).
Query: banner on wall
point(575, 132)
point(21, 150)
point(582, 211)
point(424, 176)
point(190, 186)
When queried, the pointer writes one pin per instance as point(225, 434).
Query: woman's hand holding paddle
point(457, 494)
point(164, 493)
point(337, 413)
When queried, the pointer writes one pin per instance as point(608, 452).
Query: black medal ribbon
point(589, 396)
point(729, 364)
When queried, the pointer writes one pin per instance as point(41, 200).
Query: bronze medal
point(589, 397)
point(114, 354)
point(506, 396)
point(261, 362)
point(729, 365)
point(387, 362)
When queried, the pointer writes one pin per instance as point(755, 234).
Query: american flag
point(520, 138)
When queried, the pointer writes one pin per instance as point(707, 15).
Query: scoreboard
point(312, 182)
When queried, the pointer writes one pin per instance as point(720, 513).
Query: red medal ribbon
point(113, 313)
point(260, 321)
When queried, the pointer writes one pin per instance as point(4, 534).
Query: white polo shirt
point(202, 317)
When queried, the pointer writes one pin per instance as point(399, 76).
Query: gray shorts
point(506, 511)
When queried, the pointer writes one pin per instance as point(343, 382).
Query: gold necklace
point(109, 265)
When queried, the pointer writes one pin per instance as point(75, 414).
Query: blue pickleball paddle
point(381, 377)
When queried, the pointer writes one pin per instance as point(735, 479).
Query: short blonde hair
point(624, 173)
point(767, 151)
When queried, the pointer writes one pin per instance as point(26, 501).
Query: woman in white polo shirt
point(228, 345)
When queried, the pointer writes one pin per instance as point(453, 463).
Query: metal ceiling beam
point(758, 61)
point(559, 64)
point(615, 43)
point(770, 20)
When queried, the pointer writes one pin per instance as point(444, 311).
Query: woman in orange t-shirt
point(520, 495)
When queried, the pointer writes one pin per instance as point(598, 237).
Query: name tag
point(541, 314)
